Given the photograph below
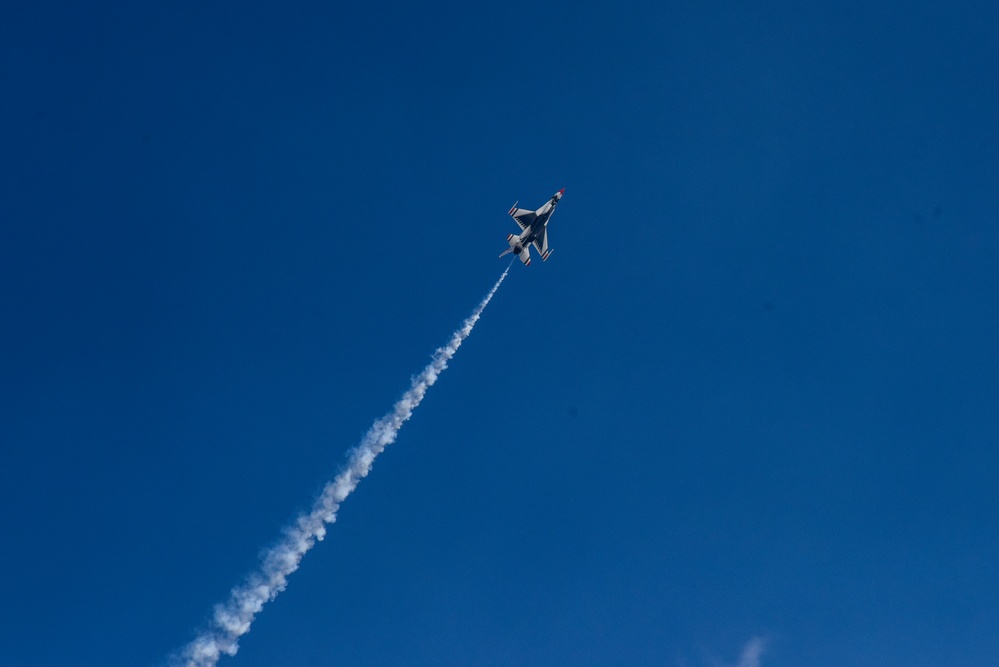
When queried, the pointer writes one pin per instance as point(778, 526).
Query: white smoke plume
point(752, 652)
point(232, 618)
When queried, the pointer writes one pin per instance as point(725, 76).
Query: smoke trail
point(752, 652)
point(233, 618)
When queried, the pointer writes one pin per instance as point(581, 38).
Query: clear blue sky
point(752, 394)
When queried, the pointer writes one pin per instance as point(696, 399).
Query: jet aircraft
point(534, 229)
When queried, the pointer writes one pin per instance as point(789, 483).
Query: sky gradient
point(749, 404)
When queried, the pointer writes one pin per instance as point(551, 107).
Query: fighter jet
point(534, 226)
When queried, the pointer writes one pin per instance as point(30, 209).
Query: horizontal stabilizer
point(525, 256)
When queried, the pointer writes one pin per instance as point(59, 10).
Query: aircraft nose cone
point(562, 191)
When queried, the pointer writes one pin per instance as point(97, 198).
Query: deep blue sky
point(753, 393)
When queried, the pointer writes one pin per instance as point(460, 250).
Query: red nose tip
point(562, 191)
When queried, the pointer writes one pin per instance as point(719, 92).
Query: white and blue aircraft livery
point(534, 229)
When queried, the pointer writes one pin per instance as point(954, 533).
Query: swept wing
point(523, 217)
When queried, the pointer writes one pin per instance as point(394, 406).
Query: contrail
point(232, 619)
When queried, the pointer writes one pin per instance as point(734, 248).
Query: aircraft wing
point(523, 217)
point(541, 242)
